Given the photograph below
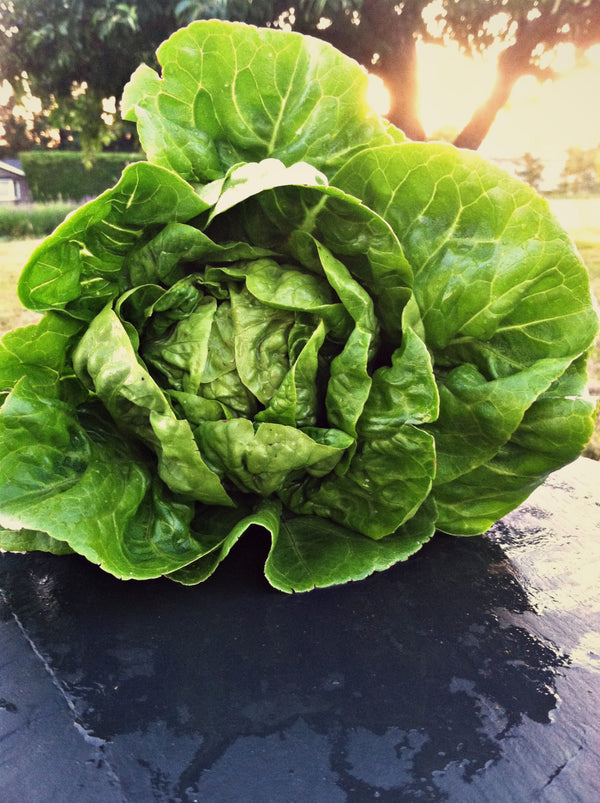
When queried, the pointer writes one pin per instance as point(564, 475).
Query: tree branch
point(514, 62)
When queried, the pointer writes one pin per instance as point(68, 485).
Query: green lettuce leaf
point(67, 476)
point(232, 93)
point(38, 352)
point(310, 553)
point(497, 281)
point(80, 267)
point(105, 358)
point(32, 541)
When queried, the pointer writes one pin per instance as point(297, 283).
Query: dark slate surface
point(470, 673)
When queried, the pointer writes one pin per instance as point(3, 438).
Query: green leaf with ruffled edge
point(38, 351)
point(73, 477)
point(233, 93)
point(80, 267)
point(497, 280)
point(309, 552)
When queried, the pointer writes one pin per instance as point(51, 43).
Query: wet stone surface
point(471, 672)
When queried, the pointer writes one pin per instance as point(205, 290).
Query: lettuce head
point(289, 317)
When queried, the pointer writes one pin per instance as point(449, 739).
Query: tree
point(72, 54)
point(21, 130)
point(529, 30)
point(531, 170)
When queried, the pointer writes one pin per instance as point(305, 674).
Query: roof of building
point(12, 166)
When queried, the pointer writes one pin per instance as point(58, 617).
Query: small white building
point(13, 183)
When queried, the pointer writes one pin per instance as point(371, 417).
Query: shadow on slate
point(460, 675)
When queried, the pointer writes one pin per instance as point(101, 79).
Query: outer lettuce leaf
point(232, 93)
point(307, 552)
point(310, 553)
point(550, 435)
point(38, 351)
point(478, 417)
point(80, 266)
point(32, 541)
point(497, 281)
point(225, 529)
point(72, 478)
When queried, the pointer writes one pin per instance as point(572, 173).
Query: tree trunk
point(480, 123)
point(390, 33)
point(513, 62)
point(399, 72)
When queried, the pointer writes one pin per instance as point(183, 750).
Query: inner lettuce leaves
point(290, 318)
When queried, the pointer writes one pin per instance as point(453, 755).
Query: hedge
point(32, 220)
point(64, 175)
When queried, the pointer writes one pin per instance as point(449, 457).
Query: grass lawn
point(580, 217)
point(13, 255)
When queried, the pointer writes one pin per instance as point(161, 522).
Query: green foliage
point(290, 317)
point(52, 48)
point(520, 22)
point(32, 220)
point(66, 175)
point(22, 131)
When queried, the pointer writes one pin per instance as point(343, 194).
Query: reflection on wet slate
point(445, 678)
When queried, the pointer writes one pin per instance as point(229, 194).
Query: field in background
point(581, 218)
point(13, 255)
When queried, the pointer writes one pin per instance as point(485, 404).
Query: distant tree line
point(580, 174)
